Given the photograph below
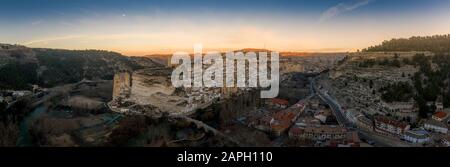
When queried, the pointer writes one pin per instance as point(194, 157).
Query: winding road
point(334, 105)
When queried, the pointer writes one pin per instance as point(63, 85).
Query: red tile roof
point(280, 127)
point(284, 116)
point(279, 101)
point(440, 114)
point(390, 121)
point(296, 130)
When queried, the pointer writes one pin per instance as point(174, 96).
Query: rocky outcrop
point(148, 87)
point(141, 85)
point(149, 82)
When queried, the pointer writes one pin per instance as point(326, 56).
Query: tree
point(400, 91)
point(423, 108)
point(9, 132)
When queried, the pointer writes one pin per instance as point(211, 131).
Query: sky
point(138, 27)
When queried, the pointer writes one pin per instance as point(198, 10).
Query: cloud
point(47, 40)
point(342, 8)
point(37, 22)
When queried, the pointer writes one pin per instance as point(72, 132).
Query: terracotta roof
point(390, 121)
point(440, 114)
point(279, 101)
point(284, 116)
point(280, 127)
point(296, 130)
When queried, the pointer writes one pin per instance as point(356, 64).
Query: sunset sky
point(135, 27)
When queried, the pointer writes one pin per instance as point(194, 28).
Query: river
point(24, 139)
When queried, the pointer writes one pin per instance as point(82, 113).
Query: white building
point(364, 123)
point(402, 107)
point(321, 117)
point(390, 126)
point(439, 106)
point(416, 136)
point(435, 126)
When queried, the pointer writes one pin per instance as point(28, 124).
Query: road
point(206, 127)
point(380, 140)
point(334, 105)
point(383, 141)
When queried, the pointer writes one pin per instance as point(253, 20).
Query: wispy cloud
point(342, 8)
point(47, 40)
point(37, 22)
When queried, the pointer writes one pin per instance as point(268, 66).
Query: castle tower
point(122, 85)
point(169, 64)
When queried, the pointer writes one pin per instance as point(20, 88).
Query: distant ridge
point(436, 43)
point(253, 50)
point(21, 67)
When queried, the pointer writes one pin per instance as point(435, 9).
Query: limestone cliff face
point(149, 87)
point(141, 85)
point(153, 87)
point(147, 83)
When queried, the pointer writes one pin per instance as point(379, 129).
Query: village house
point(440, 116)
point(314, 103)
point(364, 123)
point(416, 136)
point(322, 115)
point(402, 107)
point(278, 103)
point(390, 126)
point(278, 129)
point(439, 106)
point(281, 122)
point(318, 132)
point(305, 121)
point(263, 123)
point(352, 140)
point(435, 126)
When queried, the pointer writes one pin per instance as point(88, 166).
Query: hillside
point(437, 44)
point(21, 66)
